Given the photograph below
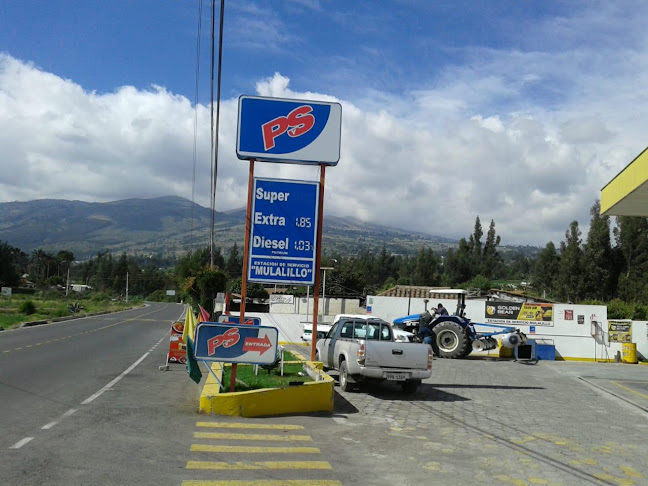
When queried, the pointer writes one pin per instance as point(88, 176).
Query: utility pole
point(67, 283)
point(126, 287)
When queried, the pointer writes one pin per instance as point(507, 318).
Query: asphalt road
point(84, 402)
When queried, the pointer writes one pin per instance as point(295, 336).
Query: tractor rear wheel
point(450, 340)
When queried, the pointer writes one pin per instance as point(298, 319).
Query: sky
point(514, 111)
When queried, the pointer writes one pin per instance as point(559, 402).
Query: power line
point(195, 134)
point(215, 137)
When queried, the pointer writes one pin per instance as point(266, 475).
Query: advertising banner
point(283, 232)
point(620, 331)
point(519, 313)
point(236, 344)
point(177, 346)
point(290, 131)
point(282, 299)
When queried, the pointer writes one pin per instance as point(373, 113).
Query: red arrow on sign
point(257, 344)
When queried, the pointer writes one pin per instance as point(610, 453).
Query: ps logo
point(298, 122)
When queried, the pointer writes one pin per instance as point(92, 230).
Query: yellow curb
point(314, 396)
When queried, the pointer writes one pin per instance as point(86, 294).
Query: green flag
point(188, 334)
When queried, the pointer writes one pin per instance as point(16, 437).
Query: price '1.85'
point(303, 222)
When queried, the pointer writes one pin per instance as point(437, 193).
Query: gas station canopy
point(627, 193)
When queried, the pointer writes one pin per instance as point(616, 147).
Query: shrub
point(60, 311)
point(27, 308)
point(617, 309)
point(641, 312)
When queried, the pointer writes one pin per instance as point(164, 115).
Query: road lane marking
point(253, 450)
point(21, 443)
point(266, 482)
point(251, 466)
point(228, 425)
point(55, 422)
point(116, 380)
point(217, 435)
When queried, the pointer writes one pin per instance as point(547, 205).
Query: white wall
point(640, 337)
point(328, 307)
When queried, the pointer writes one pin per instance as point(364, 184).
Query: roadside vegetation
point(33, 308)
point(607, 266)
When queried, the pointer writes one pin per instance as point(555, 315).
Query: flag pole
point(318, 259)
point(246, 252)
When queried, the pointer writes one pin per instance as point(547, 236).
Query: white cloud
point(429, 160)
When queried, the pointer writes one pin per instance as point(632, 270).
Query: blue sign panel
point(236, 344)
point(283, 232)
point(249, 321)
point(292, 131)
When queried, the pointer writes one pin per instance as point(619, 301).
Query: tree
point(458, 266)
point(631, 236)
point(491, 261)
point(208, 282)
point(571, 265)
point(426, 268)
point(252, 291)
point(546, 269)
point(597, 257)
point(234, 264)
point(64, 259)
point(9, 271)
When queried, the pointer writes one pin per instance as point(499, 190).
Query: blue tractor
point(455, 336)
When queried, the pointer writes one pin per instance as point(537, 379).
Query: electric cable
point(195, 126)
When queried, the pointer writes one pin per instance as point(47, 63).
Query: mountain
point(172, 225)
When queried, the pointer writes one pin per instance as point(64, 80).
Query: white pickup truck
point(362, 348)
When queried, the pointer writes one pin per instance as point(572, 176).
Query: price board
point(283, 231)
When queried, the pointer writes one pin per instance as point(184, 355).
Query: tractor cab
point(456, 294)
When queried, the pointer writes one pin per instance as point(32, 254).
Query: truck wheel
point(344, 378)
point(450, 340)
point(410, 386)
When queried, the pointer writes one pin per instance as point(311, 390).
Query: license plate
point(397, 376)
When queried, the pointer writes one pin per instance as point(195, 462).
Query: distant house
point(80, 288)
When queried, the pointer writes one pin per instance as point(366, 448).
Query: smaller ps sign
point(292, 131)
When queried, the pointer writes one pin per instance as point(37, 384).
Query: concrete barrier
point(314, 396)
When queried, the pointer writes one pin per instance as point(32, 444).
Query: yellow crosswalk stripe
point(268, 437)
point(235, 425)
point(229, 466)
point(266, 482)
point(253, 450)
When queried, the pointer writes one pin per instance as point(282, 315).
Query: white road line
point(55, 422)
point(116, 380)
point(112, 383)
point(21, 443)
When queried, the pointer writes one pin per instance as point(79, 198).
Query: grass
point(246, 379)
point(47, 308)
